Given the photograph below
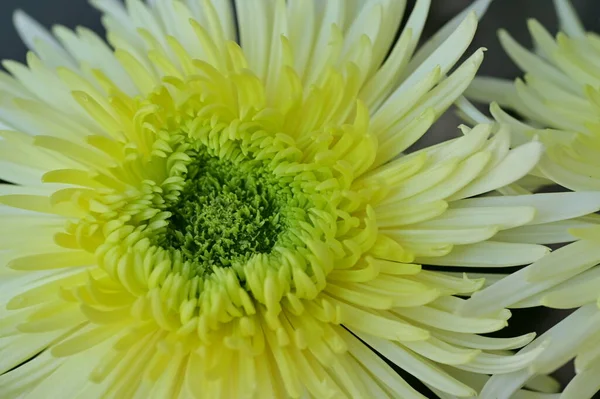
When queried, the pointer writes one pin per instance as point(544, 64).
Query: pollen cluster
point(226, 212)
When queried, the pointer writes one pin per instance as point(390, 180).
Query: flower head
point(558, 101)
point(558, 97)
point(191, 217)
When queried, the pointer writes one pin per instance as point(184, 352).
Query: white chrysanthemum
point(559, 100)
point(196, 218)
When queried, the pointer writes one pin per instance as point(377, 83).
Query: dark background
point(509, 14)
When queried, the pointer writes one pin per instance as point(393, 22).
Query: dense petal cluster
point(193, 217)
point(558, 98)
point(559, 104)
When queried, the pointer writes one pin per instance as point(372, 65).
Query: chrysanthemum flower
point(559, 98)
point(191, 217)
point(559, 102)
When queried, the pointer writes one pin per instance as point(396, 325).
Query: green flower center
point(225, 213)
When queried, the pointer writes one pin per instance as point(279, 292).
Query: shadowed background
point(509, 14)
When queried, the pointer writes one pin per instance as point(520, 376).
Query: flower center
point(225, 213)
point(213, 225)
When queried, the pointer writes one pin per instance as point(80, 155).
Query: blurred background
point(509, 14)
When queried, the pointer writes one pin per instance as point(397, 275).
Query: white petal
point(488, 254)
point(577, 105)
point(173, 18)
point(438, 99)
point(516, 287)
point(301, 19)
point(87, 47)
point(489, 278)
point(466, 171)
point(224, 9)
point(393, 215)
point(459, 148)
point(569, 334)
point(449, 284)
point(538, 109)
point(393, 13)
point(367, 22)
point(478, 8)
point(438, 236)
point(468, 112)
point(385, 77)
point(544, 384)
point(378, 367)
point(450, 322)
point(568, 19)
point(333, 14)
point(215, 15)
point(445, 55)
point(549, 233)
point(504, 386)
point(8, 189)
point(520, 132)
point(499, 146)
point(532, 63)
point(276, 60)
point(544, 42)
point(515, 165)
point(417, 366)
point(584, 385)
point(502, 217)
point(38, 39)
point(400, 55)
point(487, 89)
point(589, 356)
point(441, 352)
point(530, 184)
point(577, 291)
point(566, 177)
point(395, 108)
point(549, 207)
point(20, 174)
point(75, 369)
point(18, 349)
point(421, 181)
point(486, 363)
point(566, 261)
point(481, 342)
point(118, 20)
point(142, 16)
point(504, 293)
point(565, 333)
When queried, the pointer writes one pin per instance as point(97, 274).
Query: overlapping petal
point(100, 145)
point(557, 99)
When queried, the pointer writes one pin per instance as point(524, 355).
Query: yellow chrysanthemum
point(192, 218)
point(560, 103)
